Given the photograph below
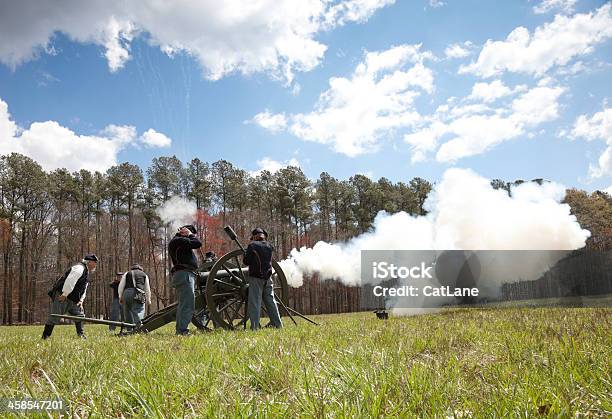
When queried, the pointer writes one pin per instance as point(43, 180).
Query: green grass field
point(475, 362)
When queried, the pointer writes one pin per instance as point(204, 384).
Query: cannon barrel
point(224, 273)
point(230, 232)
point(233, 236)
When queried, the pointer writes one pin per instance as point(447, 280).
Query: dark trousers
point(63, 307)
point(116, 313)
point(262, 290)
point(184, 283)
point(133, 311)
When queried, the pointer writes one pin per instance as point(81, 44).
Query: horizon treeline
point(49, 220)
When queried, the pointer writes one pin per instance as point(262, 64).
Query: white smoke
point(177, 212)
point(465, 212)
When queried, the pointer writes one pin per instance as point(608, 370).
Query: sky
point(511, 90)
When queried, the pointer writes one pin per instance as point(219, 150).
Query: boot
point(48, 330)
point(79, 330)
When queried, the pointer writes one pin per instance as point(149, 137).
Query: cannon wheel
point(226, 298)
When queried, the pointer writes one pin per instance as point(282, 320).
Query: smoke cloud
point(466, 213)
point(177, 212)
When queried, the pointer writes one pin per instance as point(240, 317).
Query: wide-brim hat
point(91, 257)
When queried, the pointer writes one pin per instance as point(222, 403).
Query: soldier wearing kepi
point(68, 294)
point(185, 264)
point(134, 291)
point(258, 257)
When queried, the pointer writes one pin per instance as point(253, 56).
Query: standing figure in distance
point(116, 311)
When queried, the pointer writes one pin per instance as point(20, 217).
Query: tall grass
point(457, 363)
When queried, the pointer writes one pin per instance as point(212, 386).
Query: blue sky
point(397, 89)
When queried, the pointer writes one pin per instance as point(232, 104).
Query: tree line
point(49, 220)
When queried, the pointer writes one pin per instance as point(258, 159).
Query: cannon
point(221, 296)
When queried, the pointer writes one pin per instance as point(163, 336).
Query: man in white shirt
point(68, 294)
point(134, 291)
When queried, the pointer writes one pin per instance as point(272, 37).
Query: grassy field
point(475, 362)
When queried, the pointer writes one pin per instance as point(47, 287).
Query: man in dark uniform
point(116, 313)
point(185, 264)
point(258, 257)
point(68, 294)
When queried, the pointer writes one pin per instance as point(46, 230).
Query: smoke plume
point(177, 212)
point(464, 212)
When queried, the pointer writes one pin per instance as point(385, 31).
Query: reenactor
point(184, 267)
point(68, 293)
point(116, 312)
point(134, 291)
point(258, 257)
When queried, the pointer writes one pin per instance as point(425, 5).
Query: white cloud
point(54, 146)
point(545, 6)
point(436, 3)
point(597, 127)
point(458, 50)
point(46, 78)
point(468, 130)
point(121, 134)
point(425, 140)
point(273, 166)
point(152, 138)
point(537, 105)
point(466, 110)
point(295, 90)
point(604, 164)
point(608, 190)
point(570, 70)
point(553, 44)
point(272, 122)
point(275, 36)
point(355, 113)
point(8, 128)
point(353, 11)
point(475, 134)
point(117, 38)
point(490, 92)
